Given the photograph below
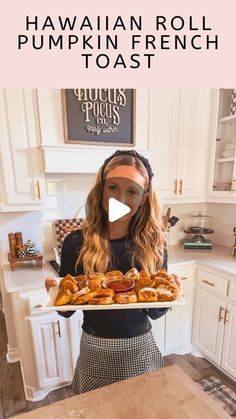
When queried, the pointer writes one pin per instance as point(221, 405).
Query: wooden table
point(166, 394)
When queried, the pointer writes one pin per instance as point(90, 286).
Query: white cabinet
point(75, 332)
point(209, 325)
point(229, 347)
point(51, 349)
point(179, 321)
point(214, 326)
point(21, 171)
point(222, 151)
point(172, 332)
point(178, 122)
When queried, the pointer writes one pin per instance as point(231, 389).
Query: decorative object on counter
point(234, 245)
point(199, 225)
point(233, 103)
point(30, 248)
point(20, 252)
point(19, 239)
point(169, 221)
point(12, 244)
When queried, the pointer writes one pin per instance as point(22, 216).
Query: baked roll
point(147, 295)
point(94, 284)
point(166, 293)
point(133, 274)
point(144, 275)
point(113, 274)
point(63, 297)
point(97, 275)
point(126, 297)
point(103, 297)
point(144, 283)
point(84, 299)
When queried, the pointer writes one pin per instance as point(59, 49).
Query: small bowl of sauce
point(119, 285)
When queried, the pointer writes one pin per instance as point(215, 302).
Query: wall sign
point(99, 116)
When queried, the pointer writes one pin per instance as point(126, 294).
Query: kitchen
point(185, 134)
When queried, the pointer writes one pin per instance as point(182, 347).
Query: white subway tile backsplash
point(54, 188)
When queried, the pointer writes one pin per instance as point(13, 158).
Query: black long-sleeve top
point(109, 323)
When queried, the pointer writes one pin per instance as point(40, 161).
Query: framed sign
point(99, 116)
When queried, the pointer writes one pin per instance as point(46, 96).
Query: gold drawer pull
point(220, 317)
point(233, 185)
point(181, 186)
point(175, 186)
point(183, 278)
point(226, 319)
point(38, 190)
point(208, 283)
point(59, 328)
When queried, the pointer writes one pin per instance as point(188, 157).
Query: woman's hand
point(177, 281)
point(51, 282)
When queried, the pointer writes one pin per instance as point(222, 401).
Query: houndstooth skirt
point(104, 361)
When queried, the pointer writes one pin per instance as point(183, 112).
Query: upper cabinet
point(178, 128)
point(222, 169)
point(21, 171)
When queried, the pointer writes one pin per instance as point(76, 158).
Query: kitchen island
point(166, 393)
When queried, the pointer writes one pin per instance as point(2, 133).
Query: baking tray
point(52, 294)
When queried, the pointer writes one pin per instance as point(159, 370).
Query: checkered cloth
point(233, 103)
point(104, 361)
point(64, 227)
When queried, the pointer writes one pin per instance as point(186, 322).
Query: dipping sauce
point(119, 285)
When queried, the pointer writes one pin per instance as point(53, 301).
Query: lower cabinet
point(228, 362)
point(214, 326)
point(51, 345)
point(179, 322)
point(172, 332)
point(75, 331)
point(209, 325)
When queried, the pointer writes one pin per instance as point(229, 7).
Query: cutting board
point(166, 394)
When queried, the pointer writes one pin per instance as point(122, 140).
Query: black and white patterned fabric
point(104, 361)
point(233, 103)
point(64, 227)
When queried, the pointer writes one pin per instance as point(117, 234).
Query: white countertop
point(27, 276)
point(218, 257)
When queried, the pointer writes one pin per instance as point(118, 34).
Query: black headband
point(132, 153)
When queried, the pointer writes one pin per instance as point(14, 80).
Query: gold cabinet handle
point(233, 185)
point(220, 317)
point(38, 190)
point(183, 278)
point(181, 186)
point(208, 283)
point(226, 319)
point(175, 186)
point(59, 328)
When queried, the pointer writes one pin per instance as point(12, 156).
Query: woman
point(117, 344)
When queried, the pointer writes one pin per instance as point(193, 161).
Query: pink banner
point(123, 43)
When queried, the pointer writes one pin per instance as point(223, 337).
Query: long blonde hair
point(145, 226)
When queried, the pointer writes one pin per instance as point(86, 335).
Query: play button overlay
point(114, 200)
point(116, 210)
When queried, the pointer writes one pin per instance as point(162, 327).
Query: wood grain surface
point(167, 393)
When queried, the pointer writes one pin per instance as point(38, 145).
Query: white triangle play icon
point(116, 209)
